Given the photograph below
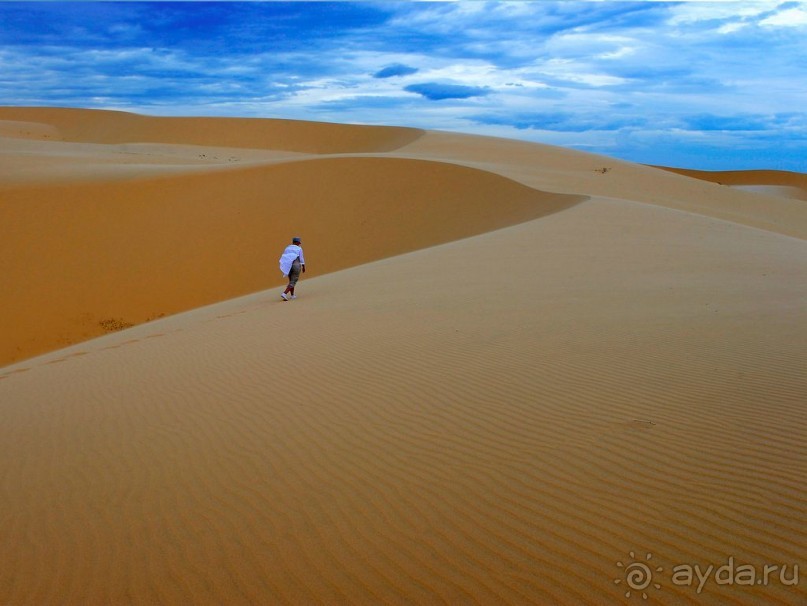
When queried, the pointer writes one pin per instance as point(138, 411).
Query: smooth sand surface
point(512, 371)
point(782, 184)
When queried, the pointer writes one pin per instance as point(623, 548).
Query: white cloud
point(578, 72)
point(730, 28)
point(793, 17)
point(688, 13)
point(619, 53)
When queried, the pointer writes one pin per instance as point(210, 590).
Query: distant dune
point(514, 372)
point(775, 182)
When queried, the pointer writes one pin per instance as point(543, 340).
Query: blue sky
point(710, 85)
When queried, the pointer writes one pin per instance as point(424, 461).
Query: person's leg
point(294, 275)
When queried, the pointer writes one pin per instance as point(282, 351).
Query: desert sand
point(514, 372)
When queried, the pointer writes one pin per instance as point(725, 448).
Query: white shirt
point(289, 256)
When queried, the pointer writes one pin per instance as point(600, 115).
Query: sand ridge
point(747, 177)
point(113, 127)
point(507, 374)
point(139, 249)
point(569, 171)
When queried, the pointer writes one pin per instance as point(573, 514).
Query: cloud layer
point(701, 84)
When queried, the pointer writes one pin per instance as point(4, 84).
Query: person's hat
point(296, 240)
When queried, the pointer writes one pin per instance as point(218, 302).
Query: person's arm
point(302, 259)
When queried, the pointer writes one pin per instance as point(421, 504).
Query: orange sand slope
point(98, 235)
point(554, 360)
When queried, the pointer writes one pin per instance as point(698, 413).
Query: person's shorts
point(294, 273)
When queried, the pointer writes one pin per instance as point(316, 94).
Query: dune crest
point(86, 254)
point(112, 127)
point(784, 184)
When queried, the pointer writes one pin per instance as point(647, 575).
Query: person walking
point(292, 262)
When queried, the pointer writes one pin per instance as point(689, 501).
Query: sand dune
point(567, 171)
point(506, 372)
point(109, 127)
point(746, 177)
point(81, 254)
point(782, 184)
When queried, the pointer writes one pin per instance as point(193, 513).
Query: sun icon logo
point(638, 575)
